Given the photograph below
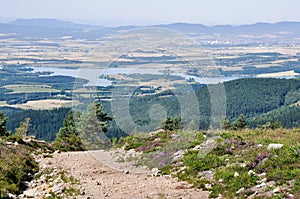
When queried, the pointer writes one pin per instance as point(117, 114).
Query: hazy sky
point(125, 12)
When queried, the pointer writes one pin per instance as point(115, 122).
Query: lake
point(93, 74)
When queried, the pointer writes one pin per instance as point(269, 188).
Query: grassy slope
point(238, 165)
point(17, 164)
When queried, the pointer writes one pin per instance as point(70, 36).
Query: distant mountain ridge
point(51, 23)
point(53, 28)
point(293, 27)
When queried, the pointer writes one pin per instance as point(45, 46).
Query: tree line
point(259, 100)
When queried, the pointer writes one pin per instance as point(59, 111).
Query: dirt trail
point(101, 177)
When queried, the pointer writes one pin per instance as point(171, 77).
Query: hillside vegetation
point(17, 163)
point(256, 98)
point(234, 162)
point(260, 100)
point(260, 163)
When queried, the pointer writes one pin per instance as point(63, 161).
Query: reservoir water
point(93, 75)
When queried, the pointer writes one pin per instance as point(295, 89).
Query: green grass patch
point(30, 89)
point(16, 166)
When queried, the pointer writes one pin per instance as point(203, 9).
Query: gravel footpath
point(102, 177)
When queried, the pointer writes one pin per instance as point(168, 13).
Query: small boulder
point(10, 195)
point(58, 180)
point(155, 171)
point(276, 190)
point(208, 186)
point(9, 143)
point(261, 185)
point(57, 188)
point(30, 194)
point(274, 146)
point(48, 195)
point(251, 172)
point(241, 190)
point(178, 156)
point(262, 174)
point(236, 174)
point(243, 165)
point(197, 148)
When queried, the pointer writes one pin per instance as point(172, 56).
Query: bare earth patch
point(44, 104)
point(289, 73)
point(99, 180)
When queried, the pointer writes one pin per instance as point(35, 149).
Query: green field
point(30, 88)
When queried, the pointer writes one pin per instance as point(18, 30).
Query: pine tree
point(23, 130)
point(67, 139)
point(3, 131)
point(171, 124)
point(68, 129)
point(226, 123)
point(92, 126)
point(276, 125)
point(102, 117)
point(240, 123)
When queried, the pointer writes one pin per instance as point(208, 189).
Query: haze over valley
point(150, 100)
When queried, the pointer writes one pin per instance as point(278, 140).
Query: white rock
point(57, 180)
point(271, 184)
point(178, 155)
point(241, 190)
point(262, 174)
point(10, 195)
point(48, 195)
point(208, 186)
point(264, 180)
point(276, 190)
point(210, 142)
point(261, 185)
point(197, 148)
point(274, 146)
point(253, 195)
point(155, 171)
point(30, 194)
point(236, 174)
point(250, 172)
point(175, 136)
point(259, 145)
point(243, 165)
point(98, 182)
point(56, 152)
point(57, 188)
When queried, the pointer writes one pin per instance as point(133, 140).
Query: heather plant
point(16, 167)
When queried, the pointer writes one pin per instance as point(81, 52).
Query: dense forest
point(260, 100)
point(44, 124)
point(254, 96)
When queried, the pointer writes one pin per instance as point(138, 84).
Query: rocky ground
point(97, 174)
